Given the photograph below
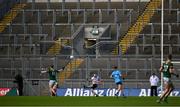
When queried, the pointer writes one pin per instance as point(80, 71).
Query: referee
point(154, 82)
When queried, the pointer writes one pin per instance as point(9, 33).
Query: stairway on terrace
point(149, 40)
point(8, 18)
point(136, 28)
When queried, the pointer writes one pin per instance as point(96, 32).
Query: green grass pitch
point(48, 101)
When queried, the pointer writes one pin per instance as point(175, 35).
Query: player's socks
point(97, 95)
point(123, 95)
point(53, 94)
point(159, 100)
point(117, 94)
point(165, 100)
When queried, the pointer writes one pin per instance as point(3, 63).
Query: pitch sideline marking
point(87, 106)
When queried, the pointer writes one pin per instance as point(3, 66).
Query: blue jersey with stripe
point(116, 74)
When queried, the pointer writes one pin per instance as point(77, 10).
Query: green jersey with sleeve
point(52, 73)
point(166, 68)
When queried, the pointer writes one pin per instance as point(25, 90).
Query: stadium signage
point(147, 92)
point(4, 91)
point(108, 92)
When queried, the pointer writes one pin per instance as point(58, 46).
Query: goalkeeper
point(167, 70)
point(52, 79)
point(95, 79)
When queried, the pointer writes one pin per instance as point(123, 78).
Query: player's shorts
point(52, 83)
point(167, 81)
point(119, 83)
point(94, 86)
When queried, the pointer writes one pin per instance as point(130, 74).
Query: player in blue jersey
point(118, 79)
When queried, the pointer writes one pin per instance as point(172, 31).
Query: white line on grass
point(86, 106)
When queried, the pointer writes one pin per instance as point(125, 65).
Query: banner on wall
point(8, 92)
point(109, 92)
point(4, 91)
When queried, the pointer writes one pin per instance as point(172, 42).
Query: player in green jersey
point(52, 79)
point(167, 69)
